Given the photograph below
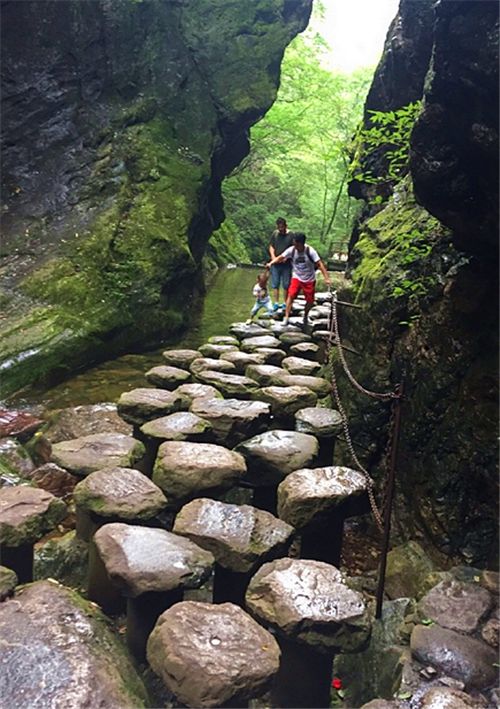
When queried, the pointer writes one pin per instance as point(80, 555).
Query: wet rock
point(278, 327)
point(230, 385)
point(100, 450)
point(167, 377)
point(273, 455)
point(141, 405)
point(448, 698)
point(489, 579)
point(239, 536)
point(291, 337)
point(8, 582)
point(18, 424)
point(180, 358)
point(184, 470)
point(181, 426)
point(265, 374)
point(319, 312)
point(270, 355)
point(10, 479)
point(490, 632)
point(187, 393)
point(14, 458)
point(202, 364)
point(54, 479)
point(307, 494)
point(285, 401)
point(27, 513)
point(242, 360)
point(241, 330)
point(143, 559)
point(64, 559)
point(78, 421)
point(305, 350)
point(459, 656)
point(223, 340)
point(250, 344)
point(309, 602)
point(39, 448)
point(456, 605)
point(215, 351)
point(297, 365)
point(60, 651)
point(318, 385)
point(210, 655)
point(382, 704)
point(318, 421)
point(407, 568)
point(233, 420)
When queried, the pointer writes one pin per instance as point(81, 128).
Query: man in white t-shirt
point(305, 260)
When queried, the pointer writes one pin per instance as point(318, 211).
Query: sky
point(356, 30)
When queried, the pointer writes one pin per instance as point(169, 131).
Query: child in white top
point(262, 297)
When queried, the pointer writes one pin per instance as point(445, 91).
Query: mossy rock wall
point(120, 120)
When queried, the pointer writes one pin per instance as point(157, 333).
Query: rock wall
point(120, 119)
point(424, 271)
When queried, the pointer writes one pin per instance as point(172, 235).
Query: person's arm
point(272, 252)
point(275, 259)
point(323, 270)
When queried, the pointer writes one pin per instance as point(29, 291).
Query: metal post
point(390, 495)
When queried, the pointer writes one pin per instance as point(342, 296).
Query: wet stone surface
point(121, 493)
point(310, 602)
point(27, 513)
point(273, 455)
point(54, 479)
point(449, 698)
point(144, 559)
point(317, 384)
point(167, 377)
point(239, 536)
point(78, 421)
point(233, 420)
point(187, 393)
point(297, 365)
point(290, 338)
point(101, 450)
point(286, 400)
point(230, 385)
point(306, 495)
point(18, 424)
point(181, 426)
point(208, 655)
point(265, 374)
point(271, 355)
point(305, 350)
point(242, 360)
point(180, 358)
point(202, 364)
point(223, 340)
point(215, 351)
point(241, 330)
point(141, 405)
point(250, 344)
point(456, 605)
point(318, 421)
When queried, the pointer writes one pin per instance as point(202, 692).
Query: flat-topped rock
point(250, 344)
point(167, 377)
point(273, 455)
point(242, 330)
point(265, 374)
point(223, 340)
point(277, 327)
point(184, 470)
point(100, 450)
point(78, 421)
point(307, 494)
point(292, 337)
point(181, 426)
point(60, 651)
point(180, 358)
point(54, 479)
point(242, 360)
point(144, 559)
point(215, 351)
point(202, 364)
point(286, 400)
point(8, 582)
point(450, 698)
point(456, 605)
point(297, 365)
point(230, 385)
point(318, 421)
point(187, 393)
point(320, 386)
point(309, 602)
point(305, 350)
point(119, 493)
point(27, 513)
point(18, 424)
point(143, 404)
point(211, 655)
point(239, 536)
point(322, 297)
point(233, 420)
point(319, 312)
point(270, 355)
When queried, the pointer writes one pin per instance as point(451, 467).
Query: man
point(305, 260)
point(281, 272)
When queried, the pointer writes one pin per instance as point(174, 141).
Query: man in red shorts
point(305, 260)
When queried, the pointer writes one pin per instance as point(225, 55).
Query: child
point(262, 297)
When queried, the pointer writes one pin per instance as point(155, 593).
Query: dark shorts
point(308, 288)
point(281, 273)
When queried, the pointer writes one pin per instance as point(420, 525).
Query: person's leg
point(293, 291)
point(275, 281)
point(309, 290)
point(287, 275)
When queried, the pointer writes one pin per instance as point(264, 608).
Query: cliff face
point(425, 272)
point(120, 120)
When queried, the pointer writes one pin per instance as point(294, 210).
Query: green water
point(229, 299)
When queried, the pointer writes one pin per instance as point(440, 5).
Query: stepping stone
point(115, 495)
point(141, 405)
point(456, 605)
point(297, 365)
point(100, 450)
point(78, 421)
point(270, 355)
point(250, 344)
point(449, 698)
point(278, 327)
point(323, 423)
point(8, 582)
point(320, 386)
point(320, 312)
point(180, 358)
point(181, 426)
point(203, 364)
point(242, 330)
point(323, 297)
point(230, 385)
point(167, 377)
point(321, 325)
point(317, 501)
point(189, 392)
point(314, 614)
point(240, 537)
point(186, 470)
point(233, 420)
point(18, 424)
point(286, 400)
point(223, 340)
point(215, 351)
point(26, 515)
point(242, 360)
point(59, 651)
point(52, 478)
point(212, 655)
point(151, 568)
point(291, 337)
point(265, 374)
point(306, 350)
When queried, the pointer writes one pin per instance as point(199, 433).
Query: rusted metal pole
point(390, 496)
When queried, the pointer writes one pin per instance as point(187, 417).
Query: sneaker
point(249, 321)
point(285, 321)
point(282, 306)
point(275, 307)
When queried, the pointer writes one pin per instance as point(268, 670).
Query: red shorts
point(306, 287)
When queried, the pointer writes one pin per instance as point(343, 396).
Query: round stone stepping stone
point(212, 655)
point(230, 385)
point(265, 374)
point(314, 615)
point(151, 567)
point(100, 450)
point(242, 360)
point(323, 423)
point(59, 652)
point(306, 350)
point(297, 365)
point(112, 495)
point(26, 514)
point(185, 470)
point(181, 426)
point(141, 405)
point(77, 421)
point(286, 400)
point(320, 386)
point(270, 355)
point(320, 312)
point(167, 377)
point(250, 344)
point(233, 420)
point(8, 582)
point(278, 327)
point(292, 337)
point(189, 392)
point(208, 363)
point(180, 358)
point(241, 330)
point(449, 698)
point(322, 297)
point(456, 605)
point(223, 340)
point(215, 351)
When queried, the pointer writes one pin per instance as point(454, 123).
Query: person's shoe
point(282, 306)
point(285, 321)
point(249, 321)
point(275, 307)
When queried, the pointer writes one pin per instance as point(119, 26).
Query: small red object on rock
point(336, 683)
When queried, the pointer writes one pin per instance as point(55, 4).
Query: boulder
point(223, 340)
point(242, 360)
point(297, 365)
point(167, 377)
point(270, 355)
point(20, 425)
point(449, 698)
point(265, 374)
point(215, 351)
point(187, 393)
point(26, 514)
point(456, 605)
point(292, 337)
point(200, 365)
point(285, 401)
point(250, 344)
point(100, 450)
point(233, 420)
point(243, 330)
point(141, 405)
point(408, 566)
point(180, 358)
point(181, 426)
point(305, 350)
point(318, 421)
point(318, 385)
point(54, 479)
point(230, 385)
point(78, 421)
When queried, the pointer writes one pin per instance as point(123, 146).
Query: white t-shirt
point(303, 263)
point(259, 292)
